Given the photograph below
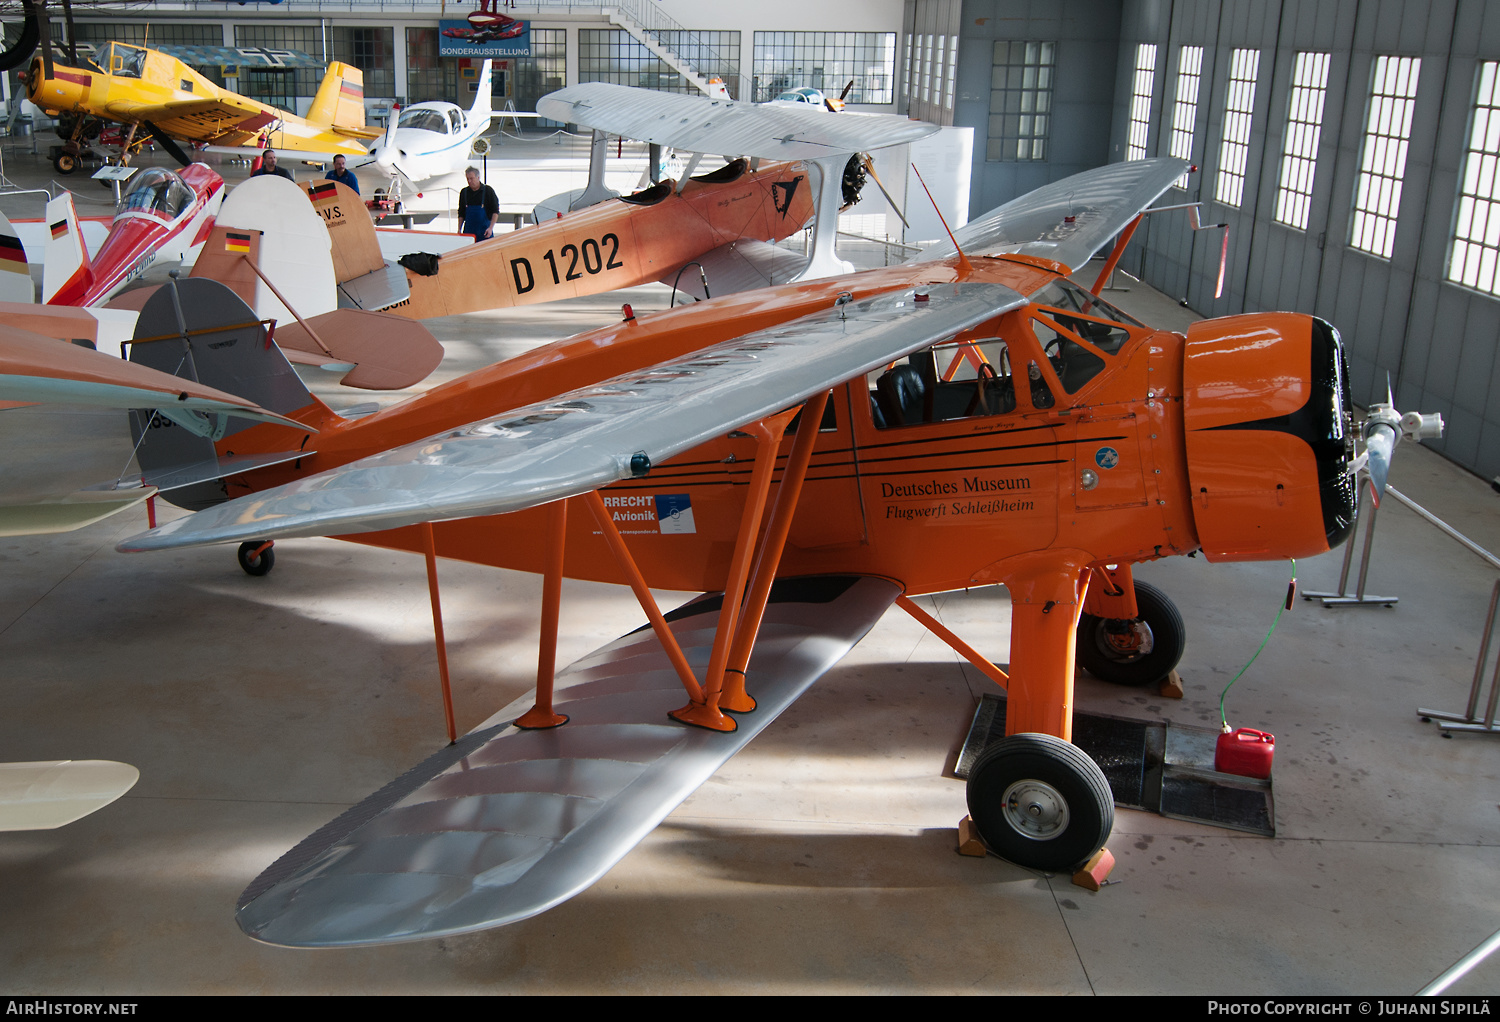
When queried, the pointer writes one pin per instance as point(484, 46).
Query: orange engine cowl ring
point(1267, 416)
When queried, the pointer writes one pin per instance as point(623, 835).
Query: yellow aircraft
point(150, 90)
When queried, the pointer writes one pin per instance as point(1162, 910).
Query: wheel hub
point(1126, 639)
point(1036, 809)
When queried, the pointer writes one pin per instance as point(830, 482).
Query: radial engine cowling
point(1267, 415)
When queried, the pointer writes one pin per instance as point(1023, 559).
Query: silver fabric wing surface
point(506, 823)
point(1068, 220)
point(726, 127)
point(588, 438)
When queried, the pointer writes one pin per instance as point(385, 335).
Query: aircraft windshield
point(156, 190)
point(427, 120)
point(125, 61)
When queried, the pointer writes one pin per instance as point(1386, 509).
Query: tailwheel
point(1040, 802)
point(257, 557)
point(65, 163)
point(1133, 651)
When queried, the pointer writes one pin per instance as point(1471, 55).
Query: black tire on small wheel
point(1040, 802)
point(65, 163)
point(1134, 651)
point(256, 564)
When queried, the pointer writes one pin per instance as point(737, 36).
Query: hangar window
point(1382, 164)
point(1299, 146)
point(1144, 84)
point(1185, 111)
point(931, 63)
point(827, 61)
point(1476, 227)
point(1239, 105)
point(1020, 101)
point(614, 55)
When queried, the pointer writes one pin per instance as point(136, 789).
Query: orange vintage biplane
point(806, 455)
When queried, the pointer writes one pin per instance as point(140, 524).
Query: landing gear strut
point(1040, 802)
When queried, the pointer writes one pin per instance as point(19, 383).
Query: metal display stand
point(1359, 598)
point(1466, 721)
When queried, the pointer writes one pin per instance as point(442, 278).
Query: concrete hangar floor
point(821, 859)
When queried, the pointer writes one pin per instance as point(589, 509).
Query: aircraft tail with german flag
point(340, 102)
point(15, 274)
point(67, 271)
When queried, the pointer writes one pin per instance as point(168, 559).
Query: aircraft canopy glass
point(125, 61)
point(156, 190)
point(427, 120)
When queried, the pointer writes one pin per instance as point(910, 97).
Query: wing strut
point(745, 591)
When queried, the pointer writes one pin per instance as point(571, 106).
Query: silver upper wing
point(594, 436)
point(1068, 220)
point(726, 127)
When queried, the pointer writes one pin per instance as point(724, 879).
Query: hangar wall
point(1087, 34)
point(1400, 315)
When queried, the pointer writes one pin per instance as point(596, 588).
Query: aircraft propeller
point(1383, 430)
point(167, 143)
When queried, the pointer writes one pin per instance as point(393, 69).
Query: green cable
point(1291, 594)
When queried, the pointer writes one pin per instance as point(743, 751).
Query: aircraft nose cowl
point(1266, 413)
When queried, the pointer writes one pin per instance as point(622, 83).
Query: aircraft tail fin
point(225, 347)
point(67, 273)
point(483, 103)
point(340, 102)
point(15, 273)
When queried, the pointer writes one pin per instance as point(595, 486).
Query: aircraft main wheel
point(256, 564)
point(65, 163)
point(1040, 802)
point(1133, 651)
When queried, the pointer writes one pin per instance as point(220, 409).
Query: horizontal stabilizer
point(47, 795)
point(36, 368)
point(724, 126)
point(1068, 220)
point(743, 265)
point(507, 823)
point(67, 513)
point(387, 352)
point(594, 436)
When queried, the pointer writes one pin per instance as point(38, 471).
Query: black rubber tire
point(1168, 638)
point(1061, 767)
point(65, 163)
point(254, 565)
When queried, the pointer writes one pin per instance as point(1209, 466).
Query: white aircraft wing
point(1068, 220)
point(506, 823)
point(726, 127)
point(594, 436)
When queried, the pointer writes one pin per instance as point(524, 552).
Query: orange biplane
point(807, 455)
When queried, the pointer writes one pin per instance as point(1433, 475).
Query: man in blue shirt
point(342, 175)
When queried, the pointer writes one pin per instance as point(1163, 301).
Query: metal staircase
point(646, 23)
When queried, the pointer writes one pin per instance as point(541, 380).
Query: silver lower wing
point(507, 823)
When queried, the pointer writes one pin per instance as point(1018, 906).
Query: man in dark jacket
point(478, 208)
point(268, 166)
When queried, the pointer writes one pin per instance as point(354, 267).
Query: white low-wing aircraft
point(429, 140)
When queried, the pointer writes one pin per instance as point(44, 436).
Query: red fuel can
point(1246, 752)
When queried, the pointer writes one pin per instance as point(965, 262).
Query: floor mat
point(1161, 768)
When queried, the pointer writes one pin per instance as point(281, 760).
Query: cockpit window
point(952, 380)
point(802, 95)
point(426, 120)
point(1074, 362)
point(1066, 296)
point(125, 61)
point(156, 190)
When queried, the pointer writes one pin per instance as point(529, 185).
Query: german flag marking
point(237, 243)
point(60, 229)
point(12, 255)
point(325, 190)
point(351, 91)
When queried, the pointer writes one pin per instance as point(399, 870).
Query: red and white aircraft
point(161, 216)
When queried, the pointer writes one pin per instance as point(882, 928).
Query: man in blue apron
point(478, 208)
